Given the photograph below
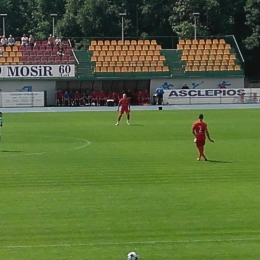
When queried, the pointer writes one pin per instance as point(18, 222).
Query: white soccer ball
point(132, 256)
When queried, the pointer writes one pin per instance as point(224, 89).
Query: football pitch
point(75, 186)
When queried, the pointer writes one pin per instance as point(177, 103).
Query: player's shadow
point(218, 161)
point(136, 125)
point(11, 151)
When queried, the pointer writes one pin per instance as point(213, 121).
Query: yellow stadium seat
point(130, 53)
point(197, 57)
point(145, 48)
point(105, 64)
point(127, 42)
point(114, 58)
point(211, 63)
point(208, 47)
point(138, 69)
point(180, 47)
point(220, 52)
point(165, 69)
point(108, 58)
point(202, 68)
point(188, 68)
point(215, 41)
point(110, 69)
point(227, 52)
point(128, 58)
point(223, 68)
point(94, 58)
point(9, 60)
point(116, 53)
point(158, 47)
point(111, 48)
point(152, 47)
point(182, 42)
point(222, 41)
point(201, 47)
point(230, 67)
point(100, 43)
point(237, 67)
point(125, 48)
point(5, 54)
point(219, 57)
point(196, 63)
point(102, 53)
point(208, 41)
point(153, 42)
point(120, 42)
point(136, 53)
point(158, 68)
point(118, 48)
point(107, 42)
point(131, 48)
point(195, 42)
point(17, 43)
point(113, 42)
point(209, 68)
point(145, 69)
point(147, 42)
point(142, 58)
point(133, 42)
point(231, 62)
point(232, 56)
point(202, 41)
point(138, 48)
point(123, 53)
point(117, 69)
point(104, 48)
point(195, 68)
point(221, 47)
point(216, 68)
point(124, 69)
point(93, 43)
point(91, 48)
point(112, 63)
point(218, 62)
point(213, 52)
point(140, 42)
point(121, 58)
point(186, 47)
point(135, 58)
point(100, 58)
point(98, 48)
point(97, 69)
point(162, 58)
point(190, 57)
point(98, 64)
point(214, 47)
point(148, 57)
point(110, 53)
point(203, 63)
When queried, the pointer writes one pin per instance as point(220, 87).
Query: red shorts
point(200, 142)
point(124, 110)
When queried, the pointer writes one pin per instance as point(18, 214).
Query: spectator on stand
point(57, 41)
point(24, 40)
point(31, 41)
point(11, 40)
point(4, 41)
point(71, 97)
point(60, 51)
point(145, 97)
point(51, 40)
point(1, 52)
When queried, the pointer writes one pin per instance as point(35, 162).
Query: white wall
point(36, 85)
point(197, 83)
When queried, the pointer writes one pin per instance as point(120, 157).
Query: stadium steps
point(84, 69)
point(173, 61)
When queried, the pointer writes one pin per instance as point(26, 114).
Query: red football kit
point(124, 103)
point(200, 129)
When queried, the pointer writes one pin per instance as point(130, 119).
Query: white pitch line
point(51, 110)
point(140, 243)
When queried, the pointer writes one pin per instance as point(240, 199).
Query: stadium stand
point(39, 54)
point(129, 56)
point(208, 55)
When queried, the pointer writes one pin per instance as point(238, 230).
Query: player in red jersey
point(200, 131)
point(125, 108)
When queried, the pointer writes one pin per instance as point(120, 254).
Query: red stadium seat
point(40, 53)
point(42, 48)
point(47, 53)
point(33, 53)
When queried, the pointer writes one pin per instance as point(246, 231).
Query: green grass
point(136, 187)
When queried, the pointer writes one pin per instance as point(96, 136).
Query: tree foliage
point(100, 18)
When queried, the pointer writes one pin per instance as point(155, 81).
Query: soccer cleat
point(205, 159)
point(117, 123)
point(128, 122)
point(198, 159)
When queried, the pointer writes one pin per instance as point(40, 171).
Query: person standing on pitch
point(125, 108)
point(200, 131)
